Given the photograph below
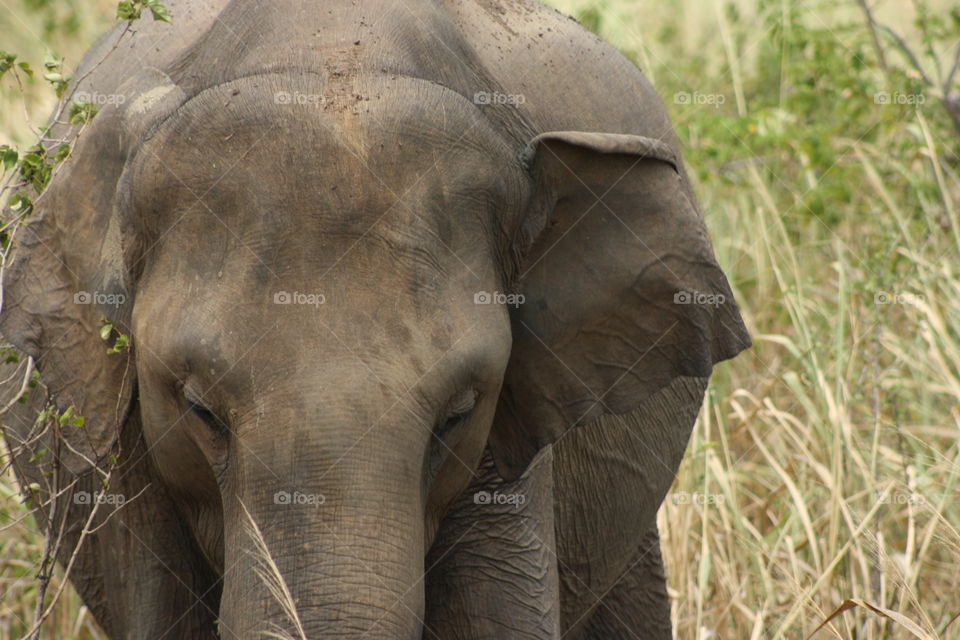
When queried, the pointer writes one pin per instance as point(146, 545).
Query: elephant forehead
point(363, 115)
point(407, 179)
point(282, 134)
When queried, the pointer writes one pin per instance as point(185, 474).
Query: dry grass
point(826, 458)
point(268, 573)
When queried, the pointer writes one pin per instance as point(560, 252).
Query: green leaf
point(61, 154)
point(26, 68)
point(35, 169)
point(127, 10)
point(33, 158)
point(6, 62)
point(82, 112)
point(52, 61)
point(133, 10)
point(158, 10)
point(122, 344)
point(9, 157)
point(105, 330)
point(66, 416)
point(21, 203)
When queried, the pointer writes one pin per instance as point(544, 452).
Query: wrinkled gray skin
point(342, 149)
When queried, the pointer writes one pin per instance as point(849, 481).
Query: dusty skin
point(373, 257)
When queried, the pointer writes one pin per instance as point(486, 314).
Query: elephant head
point(336, 306)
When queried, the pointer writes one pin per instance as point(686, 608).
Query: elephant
point(420, 310)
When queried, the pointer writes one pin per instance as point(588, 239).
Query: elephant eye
point(460, 410)
point(451, 423)
point(214, 423)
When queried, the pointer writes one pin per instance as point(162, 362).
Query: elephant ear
point(68, 277)
point(622, 293)
point(49, 315)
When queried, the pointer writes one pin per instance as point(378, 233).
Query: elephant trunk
point(329, 549)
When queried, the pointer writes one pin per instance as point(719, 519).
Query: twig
point(23, 386)
point(43, 574)
point(925, 32)
point(874, 36)
point(907, 52)
point(84, 532)
point(951, 99)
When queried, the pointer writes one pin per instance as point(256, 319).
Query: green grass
point(829, 452)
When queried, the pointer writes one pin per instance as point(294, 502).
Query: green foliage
point(34, 381)
point(82, 112)
point(35, 168)
point(66, 418)
point(121, 342)
point(591, 17)
point(133, 9)
point(813, 90)
point(6, 62)
point(61, 18)
point(20, 203)
point(8, 157)
point(53, 64)
point(58, 17)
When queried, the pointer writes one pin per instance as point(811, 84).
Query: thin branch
point(951, 99)
point(23, 386)
point(43, 574)
point(953, 70)
point(907, 52)
point(84, 532)
point(874, 36)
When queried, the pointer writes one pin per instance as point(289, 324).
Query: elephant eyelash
point(215, 424)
